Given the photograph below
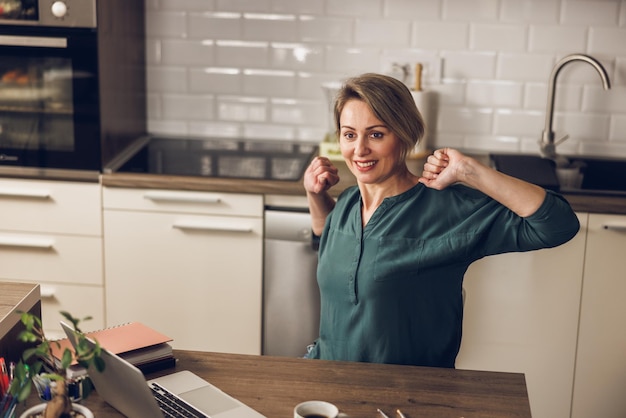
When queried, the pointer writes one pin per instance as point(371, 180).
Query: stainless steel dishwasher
point(291, 301)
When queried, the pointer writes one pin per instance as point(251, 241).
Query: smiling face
point(371, 150)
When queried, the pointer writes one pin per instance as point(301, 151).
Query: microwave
point(72, 82)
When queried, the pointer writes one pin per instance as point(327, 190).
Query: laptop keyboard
point(172, 406)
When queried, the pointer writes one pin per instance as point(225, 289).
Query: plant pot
point(38, 409)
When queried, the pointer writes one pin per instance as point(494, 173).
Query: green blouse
point(392, 292)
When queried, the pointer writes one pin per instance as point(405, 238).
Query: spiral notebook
point(135, 342)
point(124, 387)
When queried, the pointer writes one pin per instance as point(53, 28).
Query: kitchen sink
point(600, 175)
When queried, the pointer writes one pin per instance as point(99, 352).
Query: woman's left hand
point(441, 168)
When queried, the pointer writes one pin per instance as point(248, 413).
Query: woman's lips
point(364, 165)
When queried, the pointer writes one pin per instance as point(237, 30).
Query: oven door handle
point(34, 41)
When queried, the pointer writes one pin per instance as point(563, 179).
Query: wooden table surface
point(274, 385)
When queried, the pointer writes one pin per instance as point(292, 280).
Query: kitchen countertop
point(580, 202)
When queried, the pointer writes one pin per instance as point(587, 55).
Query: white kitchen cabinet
point(521, 315)
point(51, 234)
point(188, 264)
point(599, 382)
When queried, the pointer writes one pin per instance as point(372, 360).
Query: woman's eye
point(377, 135)
point(348, 135)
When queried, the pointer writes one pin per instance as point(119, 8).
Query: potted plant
point(38, 362)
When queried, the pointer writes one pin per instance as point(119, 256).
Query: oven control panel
point(68, 13)
point(60, 13)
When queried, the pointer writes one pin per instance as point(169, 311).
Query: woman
point(394, 248)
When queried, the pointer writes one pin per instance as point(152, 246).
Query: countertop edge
point(580, 202)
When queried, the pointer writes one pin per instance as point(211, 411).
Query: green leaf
point(67, 359)
point(24, 392)
point(29, 352)
point(27, 336)
point(99, 363)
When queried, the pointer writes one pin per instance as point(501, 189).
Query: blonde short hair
point(392, 103)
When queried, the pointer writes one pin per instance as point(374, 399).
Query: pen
point(4, 377)
point(400, 414)
point(382, 414)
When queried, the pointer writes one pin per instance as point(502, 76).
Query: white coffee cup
point(315, 409)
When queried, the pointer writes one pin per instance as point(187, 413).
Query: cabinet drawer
point(44, 258)
point(80, 301)
point(206, 270)
point(158, 200)
point(51, 206)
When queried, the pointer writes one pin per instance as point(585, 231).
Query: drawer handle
point(25, 193)
point(47, 292)
point(206, 226)
point(177, 197)
point(29, 242)
point(615, 227)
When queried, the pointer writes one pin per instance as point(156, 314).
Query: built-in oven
point(72, 81)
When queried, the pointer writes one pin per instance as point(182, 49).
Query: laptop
point(125, 388)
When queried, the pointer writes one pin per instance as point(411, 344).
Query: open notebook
point(124, 387)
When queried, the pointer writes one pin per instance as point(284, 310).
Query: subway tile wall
point(254, 68)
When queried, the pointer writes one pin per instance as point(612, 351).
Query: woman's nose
point(360, 147)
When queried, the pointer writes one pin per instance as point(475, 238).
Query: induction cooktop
point(223, 158)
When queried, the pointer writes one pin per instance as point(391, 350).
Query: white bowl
point(37, 409)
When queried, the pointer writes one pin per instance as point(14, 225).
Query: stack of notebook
point(140, 345)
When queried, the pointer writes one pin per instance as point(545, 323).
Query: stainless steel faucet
point(547, 143)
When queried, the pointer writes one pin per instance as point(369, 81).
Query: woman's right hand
point(320, 176)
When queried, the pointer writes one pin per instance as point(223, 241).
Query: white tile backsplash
point(254, 68)
point(351, 60)
point(187, 107)
point(298, 6)
point(270, 27)
point(518, 123)
point(242, 54)
point(328, 30)
point(603, 13)
point(617, 129)
point(166, 24)
point(413, 9)
point(243, 5)
point(467, 65)
point(549, 38)
point(524, 67)
point(494, 94)
point(297, 56)
point(608, 41)
point(354, 8)
point(465, 121)
point(585, 126)
point(530, 11)
point(166, 79)
point(498, 37)
point(185, 4)
point(215, 26)
point(386, 33)
point(183, 52)
point(471, 10)
point(441, 35)
point(215, 80)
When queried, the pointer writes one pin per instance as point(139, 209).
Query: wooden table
point(274, 385)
